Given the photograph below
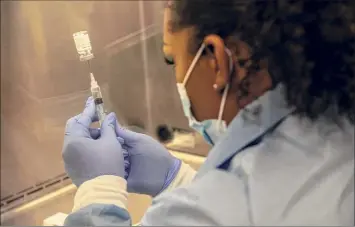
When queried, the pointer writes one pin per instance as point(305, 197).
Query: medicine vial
point(83, 45)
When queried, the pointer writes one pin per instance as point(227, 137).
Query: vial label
point(83, 45)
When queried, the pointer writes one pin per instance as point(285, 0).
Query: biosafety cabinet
point(43, 83)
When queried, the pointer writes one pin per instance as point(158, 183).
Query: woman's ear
point(220, 61)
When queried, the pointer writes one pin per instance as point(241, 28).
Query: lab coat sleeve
point(102, 201)
point(185, 175)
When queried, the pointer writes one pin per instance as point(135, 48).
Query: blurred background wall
point(43, 83)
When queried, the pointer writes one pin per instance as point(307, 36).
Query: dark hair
point(309, 45)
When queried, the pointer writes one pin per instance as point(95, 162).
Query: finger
point(108, 127)
point(88, 115)
point(125, 147)
point(74, 128)
point(125, 153)
point(79, 125)
point(95, 133)
point(125, 134)
point(126, 165)
point(120, 140)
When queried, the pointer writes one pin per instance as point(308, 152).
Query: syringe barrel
point(96, 93)
point(99, 103)
point(100, 112)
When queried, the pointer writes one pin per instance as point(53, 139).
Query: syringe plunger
point(83, 45)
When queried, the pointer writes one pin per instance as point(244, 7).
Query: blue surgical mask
point(212, 129)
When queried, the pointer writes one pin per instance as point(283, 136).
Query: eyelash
point(169, 62)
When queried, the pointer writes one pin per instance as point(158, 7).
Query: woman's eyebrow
point(166, 44)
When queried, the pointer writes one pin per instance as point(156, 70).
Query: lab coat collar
point(249, 125)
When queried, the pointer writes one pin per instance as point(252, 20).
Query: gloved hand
point(89, 153)
point(152, 168)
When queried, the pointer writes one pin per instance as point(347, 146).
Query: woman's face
point(209, 70)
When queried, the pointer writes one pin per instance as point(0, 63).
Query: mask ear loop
point(193, 64)
point(225, 92)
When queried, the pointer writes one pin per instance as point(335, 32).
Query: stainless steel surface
point(43, 83)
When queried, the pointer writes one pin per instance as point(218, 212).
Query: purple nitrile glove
point(151, 166)
point(89, 153)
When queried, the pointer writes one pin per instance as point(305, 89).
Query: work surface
point(62, 201)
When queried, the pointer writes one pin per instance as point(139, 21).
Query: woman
point(270, 84)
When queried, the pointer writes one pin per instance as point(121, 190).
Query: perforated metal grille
point(24, 196)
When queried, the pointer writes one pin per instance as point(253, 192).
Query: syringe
point(96, 94)
point(83, 46)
